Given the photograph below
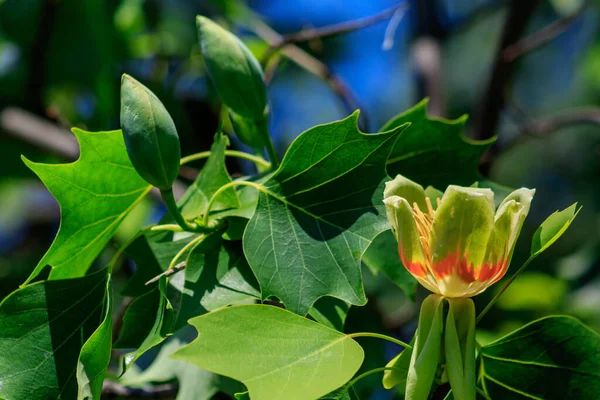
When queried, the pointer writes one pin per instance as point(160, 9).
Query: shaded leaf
point(147, 322)
point(330, 312)
point(434, 151)
point(194, 383)
point(50, 344)
point(212, 176)
point(102, 180)
point(317, 215)
point(382, 255)
point(217, 274)
point(275, 353)
point(552, 229)
point(551, 358)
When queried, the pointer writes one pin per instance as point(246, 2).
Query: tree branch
point(332, 30)
point(486, 120)
point(543, 126)
point(112, 390)
point(314, 66)
point(541, 37)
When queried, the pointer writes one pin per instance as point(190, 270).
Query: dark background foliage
point(61, 61)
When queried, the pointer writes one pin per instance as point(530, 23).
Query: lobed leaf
point(318, 214)
point(95, 194)
point(434, 151)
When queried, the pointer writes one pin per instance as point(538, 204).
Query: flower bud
point(235, 73)
point(150, 135)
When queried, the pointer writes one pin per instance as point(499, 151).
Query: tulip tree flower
point(456, 244)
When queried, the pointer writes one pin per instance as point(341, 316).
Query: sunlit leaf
point(318, 214)
point(275, 353)
point(552, 229)
point(95, 193)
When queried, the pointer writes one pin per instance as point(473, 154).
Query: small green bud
point(252, 133)
point(150, 134)
point(235, 73)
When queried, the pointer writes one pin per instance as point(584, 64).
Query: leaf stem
point(184, 249)
point(367, 373)
point(230, 153)
point(221, 190)
point(167, 227)
point(380, 336)
point(169, 199)
point(272, 153)
point(503, 288)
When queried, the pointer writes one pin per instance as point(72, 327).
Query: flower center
point(424, 223)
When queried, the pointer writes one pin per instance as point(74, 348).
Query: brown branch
point(543, 126)
point(315, 67)
point(541, 37)
point(332, 30)
point(169, 272)
point(112, 390)
point(427, 56)
point(487, 117)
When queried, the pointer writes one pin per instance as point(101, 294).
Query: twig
point(169, 272)
point(427, 56)
point(314, 66)
point(541, 37)
point(486, 119)
point(112, 389)
point(39, 132)
point(332, 30)
point(542, 126)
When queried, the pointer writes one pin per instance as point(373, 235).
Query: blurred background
point(525, 71)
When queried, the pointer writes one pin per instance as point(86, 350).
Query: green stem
point(229, 153)
point(367, 373)
point(167, 227)
point(482, 393)
point(169, 199)
point(184, 249)
point(272, 153)
point(503, 289)
point(380, 336)
point(221, 190)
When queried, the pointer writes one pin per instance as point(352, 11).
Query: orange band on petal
point(416, 268)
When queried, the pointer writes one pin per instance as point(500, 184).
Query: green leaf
point(102, 180)
point(382, 255)
point(330, 312)
point(212, 176)
point(217, 274)
point(275, 353)
point(318, 214)
point(551, 358)
point(53, 338)
point(147, 322)
point(152, 252)
point(194, 383)
point(434, 151)
point(150, 134)
point(552, 229)
point(95, 354)
point(401, 364)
